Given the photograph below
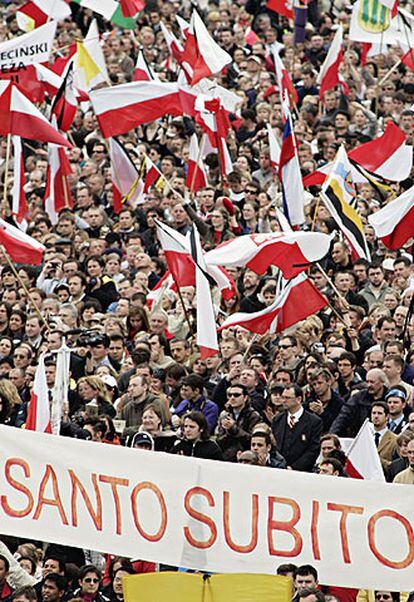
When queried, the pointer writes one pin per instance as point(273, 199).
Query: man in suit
point(396, 399)
point(385, 441)
point(297, 431)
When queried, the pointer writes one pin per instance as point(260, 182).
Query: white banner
point(207, 515)
point(28, 49)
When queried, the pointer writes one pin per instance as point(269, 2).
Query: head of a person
point(396, 400)
point(237, 396)
point(89, 579)
point(192, 387)
point(376, 381)
point(4, 569)
point(306, 576)
point(53, 587)
point(328, 443)
point(261, 443)
point(292, 398)
point(53, 564)
point(331, 467)
point(195, 427)
point(24, 594)
point(379, 414)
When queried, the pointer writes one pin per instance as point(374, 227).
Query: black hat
point(141, 439)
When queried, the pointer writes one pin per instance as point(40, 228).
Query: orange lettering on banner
point(96, 516)
point(393, 564)
point(55, 501)
point(19, 487)
point(164, 518)
point(345, 511)
point(114, 482)
point(288, 526)
point(226, 521)
point(202, 518)
point(314, 530)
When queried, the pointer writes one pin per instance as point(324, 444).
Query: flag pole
point(65, 191)
point(6, 169)
point(24, 287)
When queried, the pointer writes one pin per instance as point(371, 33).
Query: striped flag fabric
point(19, 202)
point(284, 82)
point(196, 174)
point(38, 413)
point(290, 176)
point(337, 193)
point(394, 223)
point(126, 181)
point(111, 10)
point(35, 13)
point(21, 247)
point(281, 7)
point(20, 117)
point(142, 71)
point(202, 52)
point(299, 299)
point(125, 107)
point(274, 148)
point(329, 75)
point(363, 461)
point(206, 336)
point(291, 252)
point(65, 102)
point(57, 194)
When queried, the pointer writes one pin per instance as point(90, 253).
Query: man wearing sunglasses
point(90, 582)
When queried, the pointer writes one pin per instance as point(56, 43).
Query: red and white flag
point(57, 194)
point(152, 174)
point(363, 461)
point(21, 247)
point(290, 176)
point(281, 7)
point(19, 203)
point(292, 252)
point(131, 8)
point(298, 300)
point(388, 156)
point(177, 251)
point(20, 117)
point(408, 59)
point(183, 25)
point(125, 107)
point(196, 174)
point(65, 102)
point(285, 85)
point(206, 321)
point(202, 52)
point(329, 75)
point(126, 182)
point(394, 223)
point(274, 148)
point(142, 71)
point(38, 413)
point(35, 13)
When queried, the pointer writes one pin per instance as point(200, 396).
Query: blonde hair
point(98, 385)
point(10, 392)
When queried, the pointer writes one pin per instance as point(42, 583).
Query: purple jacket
point(203, 405)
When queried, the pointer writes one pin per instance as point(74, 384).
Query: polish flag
point(122, 108)
point(281, 7)
point(20, 117)
point(38, 413)
point(19, 203)
point(196, 174)
point(174, 45)
point(363, 461)
point(126, 183)
point(57, 194)
point(183, 25)
point(177, 251)
point(35, 81)
point(21, 247)
point(35, 13)
point(290, 176)
point(152, 174)
point(329, 75)
point(65, 102)
point(274, 148)
point(298, 300)
point(142, 71)
point(206, 336)
point(251, 37)
point(394, 223)
point(285, 85)
point(387, 156)
point(292, 252)
point(202, 52)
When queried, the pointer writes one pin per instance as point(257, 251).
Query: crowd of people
point(137, 377)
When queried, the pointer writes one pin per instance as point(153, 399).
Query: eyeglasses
point(91, 580)
point(251, 191)
point(285, 346)
point(383, 597)
point(234, 394)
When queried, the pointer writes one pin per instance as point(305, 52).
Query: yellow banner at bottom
point(190, 587)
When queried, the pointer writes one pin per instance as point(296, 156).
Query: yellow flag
point(190, 587)
point(86, 62)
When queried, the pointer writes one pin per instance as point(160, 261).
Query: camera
point(92, 337)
